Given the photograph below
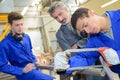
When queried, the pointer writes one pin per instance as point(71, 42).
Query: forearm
point(11, 70)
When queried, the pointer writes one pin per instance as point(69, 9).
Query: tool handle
point(100, 50)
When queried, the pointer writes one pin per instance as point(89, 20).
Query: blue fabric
point(34, 75)
point(19, 55)
point(100, 40)
point(67, 37)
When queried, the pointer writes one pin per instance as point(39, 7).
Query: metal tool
point(98, 70)
point(82, 50)
point(94, 69)
point(100, 50)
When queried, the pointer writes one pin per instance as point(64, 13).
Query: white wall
point(6, 6)
point(36, 41)
point(51, 26)
point(32, 28)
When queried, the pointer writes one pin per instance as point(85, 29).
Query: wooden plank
point(4, 76)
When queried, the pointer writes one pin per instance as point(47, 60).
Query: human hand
point(38, 63)
point(74, 46)
point(28, 67)
point(61, 61)
point(111, 56)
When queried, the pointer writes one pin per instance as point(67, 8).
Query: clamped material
point(98, 70)
point(100, 50)
point(105, 65)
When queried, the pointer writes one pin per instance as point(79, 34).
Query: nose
point(60, 18)
point(20, 26)
point(86, 30)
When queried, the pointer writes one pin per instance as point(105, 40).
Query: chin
point(20, 32)
point(64, 23)
point(92, 33)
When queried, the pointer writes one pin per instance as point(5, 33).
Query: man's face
point(61, 15)
point(88, 24)
point(17, 26)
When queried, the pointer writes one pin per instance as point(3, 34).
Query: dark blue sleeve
point(86, 58)
point(90, 56)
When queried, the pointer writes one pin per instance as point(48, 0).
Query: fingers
point(74, 46)
point(29, 67)
point(38, 63)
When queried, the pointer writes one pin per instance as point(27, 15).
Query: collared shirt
point(67, 37)
point(108, 33)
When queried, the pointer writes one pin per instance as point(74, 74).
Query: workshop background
point(39, 25)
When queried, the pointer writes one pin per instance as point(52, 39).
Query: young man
point(16, 49)
point(67, 37)
point(102, 31)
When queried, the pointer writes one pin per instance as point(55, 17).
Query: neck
point(105, 24)
point(69, 21)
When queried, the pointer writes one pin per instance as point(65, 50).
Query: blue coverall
point(19, 55)
point(101, 40)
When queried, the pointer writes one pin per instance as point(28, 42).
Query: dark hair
point(14, 16)
point(79, 13)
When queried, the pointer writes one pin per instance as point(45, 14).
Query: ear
point(91, 13)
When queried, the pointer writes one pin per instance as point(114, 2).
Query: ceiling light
point(82, 1)
point(35, 2)
point(24, 10)
point(108, 3)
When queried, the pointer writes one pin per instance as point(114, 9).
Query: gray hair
point(56, 5)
